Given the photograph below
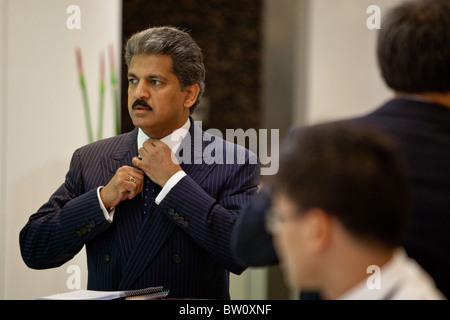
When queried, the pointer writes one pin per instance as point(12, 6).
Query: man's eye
point(132, 81)
point(156, 82)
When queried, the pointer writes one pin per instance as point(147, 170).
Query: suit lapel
point(128, 215)
point(193, 161)
point(122, 156)
point(157, 227)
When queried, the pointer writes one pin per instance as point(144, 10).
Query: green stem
point(86, 109)
point(115, 101)
point(100, 110)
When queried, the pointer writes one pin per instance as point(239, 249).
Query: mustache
point(141, 103)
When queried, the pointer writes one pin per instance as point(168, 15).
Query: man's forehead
point(144, 63)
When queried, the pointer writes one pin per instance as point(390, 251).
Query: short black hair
point(351, 171)
point(414, 47)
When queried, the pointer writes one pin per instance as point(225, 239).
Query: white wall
point(43, 118)
point(3, 23)
point(341, 74)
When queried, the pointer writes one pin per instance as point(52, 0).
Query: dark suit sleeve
point(250, 242)
point(61, 227)
point(208, 216)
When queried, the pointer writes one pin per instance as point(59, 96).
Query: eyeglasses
point(273, 220)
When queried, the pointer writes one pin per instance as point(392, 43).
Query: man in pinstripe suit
point(180, 237)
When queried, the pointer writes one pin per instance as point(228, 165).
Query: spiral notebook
point(150, 293)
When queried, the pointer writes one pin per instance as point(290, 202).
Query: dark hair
point(414, 47)
point(187, 57)
point(352, 172)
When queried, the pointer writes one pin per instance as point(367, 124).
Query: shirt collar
point(389, 279)
point(173, 140)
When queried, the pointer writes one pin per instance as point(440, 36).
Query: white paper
point(86, 295)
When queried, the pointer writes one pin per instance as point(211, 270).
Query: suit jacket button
point(106, 258)
point(171, 211)
point(176, 259)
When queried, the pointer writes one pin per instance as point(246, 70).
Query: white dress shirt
point(173, 140)
point(401, 278)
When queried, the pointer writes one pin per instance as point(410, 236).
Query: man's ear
point(320, 227)
point(192, 92)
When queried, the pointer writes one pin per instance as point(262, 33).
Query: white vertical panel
point(45, 119)
point(341, 74)
point(3, 64)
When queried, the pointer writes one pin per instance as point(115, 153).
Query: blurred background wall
point(270, 64)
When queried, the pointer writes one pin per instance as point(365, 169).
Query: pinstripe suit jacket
point(182, 243)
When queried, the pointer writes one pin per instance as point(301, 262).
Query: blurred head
point(414, 47)
point(337, 176)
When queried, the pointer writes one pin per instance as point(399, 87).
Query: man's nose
point(142, 91)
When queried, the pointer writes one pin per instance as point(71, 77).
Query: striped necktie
point(149, 194)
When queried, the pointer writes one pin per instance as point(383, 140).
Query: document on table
point(147, 293)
